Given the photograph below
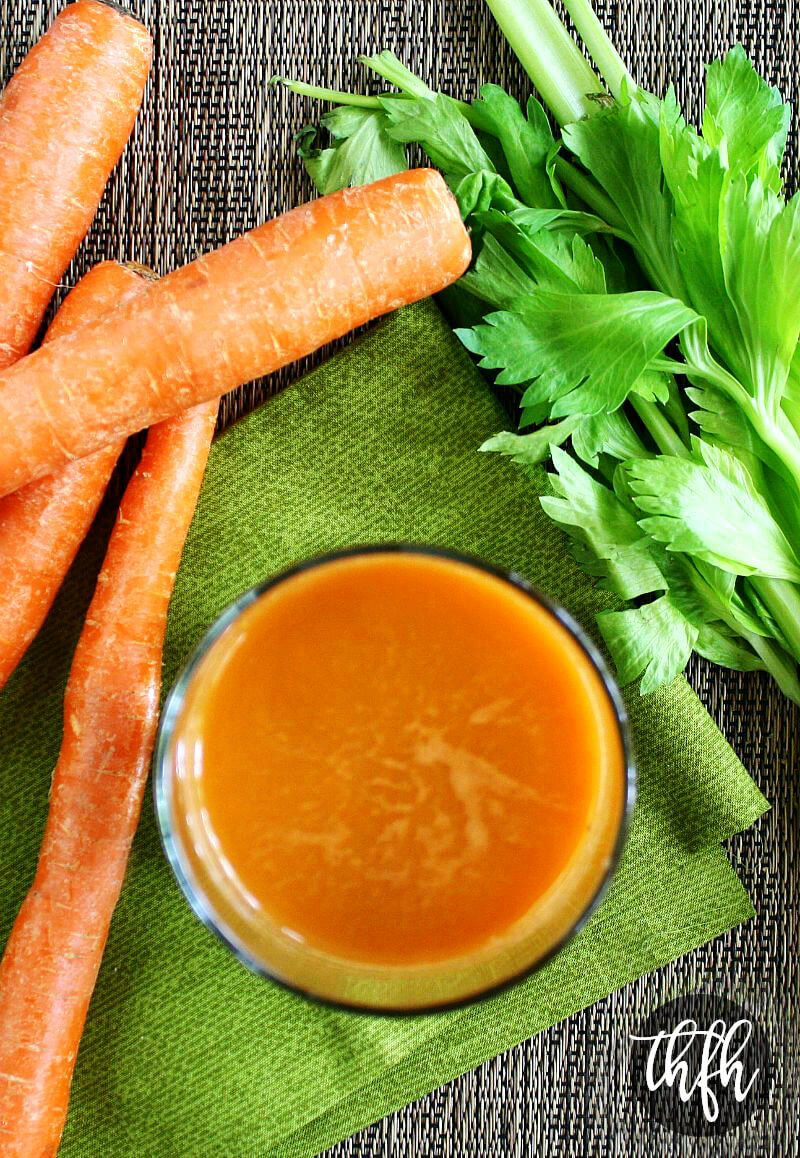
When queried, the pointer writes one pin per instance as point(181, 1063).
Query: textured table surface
point(212, 155)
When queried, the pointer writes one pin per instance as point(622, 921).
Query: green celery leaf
point(481, 191)
point(629, 574)
point(728, 600)
point(534, 415)
point(494, 150)
point(652, 385)
point(495, 277)
point(705, 594)
point(793, 381)
point(535, 219)
point(622, 489)
point(362, 152)
point(748, 115)
point(734, 269)
point(526, 142)
point(388, 66)
point(603, 433)
point(534, 448)
point(575, 257)
point(707, 598)
point(697, 599)
point(605, 537)
point(585, 352)
point(722, 583)
point(591, 435)
point(555, 259)
point(721, 647)
point(697, 179)
point(654, 641)
point(675, 408)
point(620, 147)
point(581, 501)
point(711, 509)
point(532, 220)
point(618, 261)
point(437, 124)
point(608, 542)
point(754, 606)
point(761, 258)
point(719, 415)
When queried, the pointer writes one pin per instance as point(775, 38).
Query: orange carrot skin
point(111, 706)
point(43, 525)
point(257, 304)
point(65, 117)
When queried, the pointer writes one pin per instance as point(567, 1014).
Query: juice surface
point(397, 755)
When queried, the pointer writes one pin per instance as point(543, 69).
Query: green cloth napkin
point(185, 1053)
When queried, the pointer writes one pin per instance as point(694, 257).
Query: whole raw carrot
point(50, 964)
point(64, 119)
point(260, 302)
point(43, 525)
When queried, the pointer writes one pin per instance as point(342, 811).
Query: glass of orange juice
point(394, 778)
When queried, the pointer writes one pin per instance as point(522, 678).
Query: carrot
point(260, 302)
point(64, 119)
point(42, 525)
point(51, 961)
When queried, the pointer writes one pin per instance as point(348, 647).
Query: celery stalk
point(549, 55)
point(660, 428)
point(782, 669)
point(336, 97)
point(583, 186)
point(783, 600)
point(605, 56)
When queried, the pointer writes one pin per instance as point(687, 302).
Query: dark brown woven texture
point(213, 155)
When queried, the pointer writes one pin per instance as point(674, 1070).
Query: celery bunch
point(637, 280)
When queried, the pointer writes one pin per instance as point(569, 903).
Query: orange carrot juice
point(395, 779)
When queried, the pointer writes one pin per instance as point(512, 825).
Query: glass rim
point(192, 890)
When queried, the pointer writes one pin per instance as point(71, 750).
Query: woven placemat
point(213, 155)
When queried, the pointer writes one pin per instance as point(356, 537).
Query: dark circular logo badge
point(700, 1065)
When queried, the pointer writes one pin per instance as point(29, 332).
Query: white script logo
point(675, 1060)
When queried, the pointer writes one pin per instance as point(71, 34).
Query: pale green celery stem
point(329, 94)
point(396, 74)
point(549, 55)
point(676, 411)
point(779, 596)
point(361, 100)
point(780, 666)
point(663, 433)
point(667, 365)
point(777, 663)
point(779, 435)
point(792, 410)
point(605, 56)
point(592, 195)
point(775, 430)
point(783, 601)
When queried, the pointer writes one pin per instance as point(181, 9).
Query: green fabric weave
point(185, 1053)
